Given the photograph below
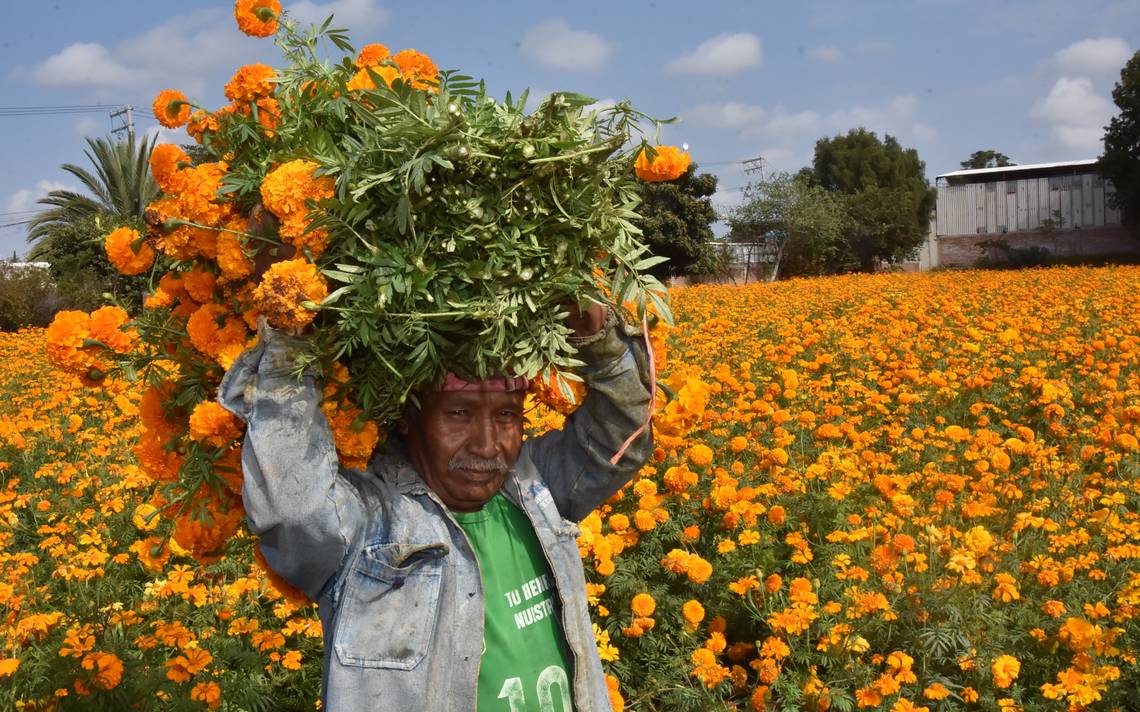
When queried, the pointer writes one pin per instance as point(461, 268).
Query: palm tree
point(121, 185)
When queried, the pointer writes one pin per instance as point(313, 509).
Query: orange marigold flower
point(371, 55)
point(1005, 670)
point(200, 124)
point(698, 570)
point(354, 440)
point(868, 697)
point(936, 691)
point(292, 660)
point(288, 191)
point(257, 18)
point(166, 160)
point(127, 251)
point(171, 108)
point(65, 337)
point(8, 666)
point(643, 605)
point(362, 80)
point(1006, 589)
point(213, 424)
point(108, 669)
point(613, 688)
point(251, 82)
point(283, 289)
point(693, 613)
point(106, 326)
point(743, 585)
point(232, 259)
point(669, 164)
point(700, 455)
point(208, 692)
point(417, 69)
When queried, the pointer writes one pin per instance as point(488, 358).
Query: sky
point(746, 80)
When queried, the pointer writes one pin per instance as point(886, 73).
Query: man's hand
point(586, 322)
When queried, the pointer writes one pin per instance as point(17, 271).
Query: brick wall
point(963, 250)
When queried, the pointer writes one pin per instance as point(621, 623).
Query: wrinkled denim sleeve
point(575, 461)
point(303, 510)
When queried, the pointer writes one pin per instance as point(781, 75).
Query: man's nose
point(483, 440)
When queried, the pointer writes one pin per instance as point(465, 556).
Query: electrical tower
point(128, 124)
point(754, 165)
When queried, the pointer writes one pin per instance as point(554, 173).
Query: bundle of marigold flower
point(416, 225)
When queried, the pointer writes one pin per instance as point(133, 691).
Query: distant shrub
point(999, 254)
point(27, 296)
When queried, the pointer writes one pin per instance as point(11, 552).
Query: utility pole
point(128, 122)
point(754, 165)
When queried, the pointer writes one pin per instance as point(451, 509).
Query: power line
point(54, 110)
point(17, 224)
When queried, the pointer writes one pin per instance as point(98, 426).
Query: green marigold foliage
point(461, 226)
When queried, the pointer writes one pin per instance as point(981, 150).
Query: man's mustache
point(474, 463)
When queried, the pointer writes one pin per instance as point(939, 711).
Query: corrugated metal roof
point(1015, 169)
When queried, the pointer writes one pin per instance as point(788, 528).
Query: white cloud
point(357, 14)
point(729, 115)
point(784, 123)
point(753, 119)
point(1092, 56)
point(85, 64)
point(162, 134)
point(896, 117)
point(1077, 112)
point(873, 47)
point(827, 53)
point(600, 105)
point(24, 199)
point(186, 52)
point(725, 54)
point(86, 126)
point(724, 200)
point(555, 44)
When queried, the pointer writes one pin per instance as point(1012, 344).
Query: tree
point(121, 186)
point(884, 189)
point(69, 233)
point(676, 219)
point(988, 158)
point(1120, 162)
point(804, 223)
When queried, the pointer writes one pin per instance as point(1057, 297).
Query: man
point(448, 575)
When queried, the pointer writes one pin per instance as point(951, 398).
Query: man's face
point(463, 442)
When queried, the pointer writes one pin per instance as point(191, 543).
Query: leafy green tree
point(676, 219)
point(120, 186)
point(1121, 159)
point(988, 158)
point(804, 224)
point(69, 233)
point(198, 153)
point(884, 188)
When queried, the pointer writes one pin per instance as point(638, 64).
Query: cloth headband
point(494, 384)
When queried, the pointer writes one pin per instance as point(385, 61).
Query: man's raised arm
point(303, 510)
point(575, 461)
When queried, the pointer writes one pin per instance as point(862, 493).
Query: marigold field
point(899, 492)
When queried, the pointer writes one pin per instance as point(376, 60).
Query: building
point(1063, 208)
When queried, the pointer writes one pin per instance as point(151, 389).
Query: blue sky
point(747, 79)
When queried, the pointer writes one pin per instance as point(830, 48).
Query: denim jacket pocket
point(388, 608)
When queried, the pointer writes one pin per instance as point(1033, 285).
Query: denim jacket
point(396, 580)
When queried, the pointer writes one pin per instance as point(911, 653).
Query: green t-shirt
point(525, 665)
